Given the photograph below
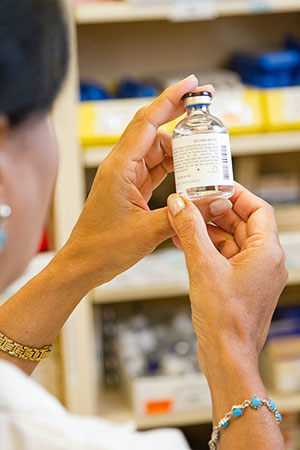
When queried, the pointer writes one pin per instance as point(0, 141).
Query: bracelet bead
point(225, 424)
point(237, 411)
point(271, 405)
point(255, 402)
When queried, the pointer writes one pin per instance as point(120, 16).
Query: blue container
point(268, 70)
point(293, 43)
point(135, 89)
point(286, 322)
point(93, 91)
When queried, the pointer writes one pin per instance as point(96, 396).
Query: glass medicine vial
point(201, 151)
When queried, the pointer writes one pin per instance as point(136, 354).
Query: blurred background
point(129, 353)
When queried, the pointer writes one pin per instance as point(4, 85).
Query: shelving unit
point(126, 11)
point(80, 385)
point(115, 39)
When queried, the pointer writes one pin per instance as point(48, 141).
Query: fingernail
point(206, 86)
point(190, 76)
point(220, 206)
point(175, 204)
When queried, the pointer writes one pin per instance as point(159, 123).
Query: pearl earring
point(5, 212)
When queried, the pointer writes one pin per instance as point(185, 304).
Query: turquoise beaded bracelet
point(237, 411)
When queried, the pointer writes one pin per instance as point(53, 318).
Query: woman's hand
point(116, 228)
point(233, 294)
point(235, 290)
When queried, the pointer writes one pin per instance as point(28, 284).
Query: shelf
point(163, 274)
point(159, 275)
point(265, 143)
point(174, 420)
point(125, 11)
point(113, 408)
point(294, 277)
point(93, 156)
point(241, 145)
point(287, 403)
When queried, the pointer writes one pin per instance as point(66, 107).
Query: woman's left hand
point(116, 228)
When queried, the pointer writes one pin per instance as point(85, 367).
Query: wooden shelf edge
point(126, 11)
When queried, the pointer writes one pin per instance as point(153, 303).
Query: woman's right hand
point(116, 228)
point(233, 291)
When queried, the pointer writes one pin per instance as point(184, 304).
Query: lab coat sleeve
point(31, 419)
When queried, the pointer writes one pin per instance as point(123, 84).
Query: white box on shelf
point(167, 395)
point(281, 375)
point(280, 359)
point(291, 245)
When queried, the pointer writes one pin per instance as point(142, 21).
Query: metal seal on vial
point(197, 98)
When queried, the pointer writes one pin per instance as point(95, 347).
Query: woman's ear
point(5, 210)
point(4, 126)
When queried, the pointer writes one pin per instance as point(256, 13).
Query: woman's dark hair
point(34, 54)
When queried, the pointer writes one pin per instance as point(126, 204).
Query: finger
point(156, 226)
point(159, 173)
point(223, 241)
point(159, 159)
point(212, 209)
point(234, 225)
point(169, 105)
point(190, 228)
point(245, 206)
point(140, 133)
point(177, 243)
point(157, 220)
point(161, 148)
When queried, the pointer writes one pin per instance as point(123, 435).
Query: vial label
point(202, 160)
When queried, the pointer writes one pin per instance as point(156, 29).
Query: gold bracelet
point(22, 351)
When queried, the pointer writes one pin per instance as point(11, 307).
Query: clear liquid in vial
point(201, 151)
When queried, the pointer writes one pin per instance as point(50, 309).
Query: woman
point(236, 266)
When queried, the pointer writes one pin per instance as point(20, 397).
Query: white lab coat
point(31, 419)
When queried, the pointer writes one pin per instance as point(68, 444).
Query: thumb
point(188, 223)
